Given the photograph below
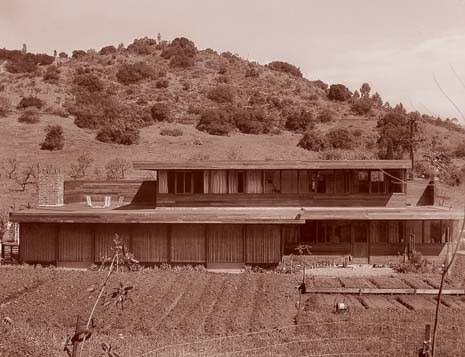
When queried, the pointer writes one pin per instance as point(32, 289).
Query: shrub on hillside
point(339, 138)
point(78, 54)
point(251, 121)
point(180, 52)
point(171, 132)
point(31, 101)
point(52, 74)
point(160, 111)
point(339, 92)
point(88, 81)
point(93, 110)
point(222, 93)
point(252, 72)
point(143, 46)
point(29, 116)
point(320, 84)
point(361, 106)
point(133, 73)
point(54, 138)
point(21, 66)
point(162, 83)
point(5, 106)
point(107, 50)
point(285, 68)
point(63, 55)
point(459, 150)
point(313, 140)
point(19, 62)
point(216, 121)
point(118, 134)
point(299, 121)
point(326, 116)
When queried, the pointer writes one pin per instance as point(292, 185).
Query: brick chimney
point(51, 189)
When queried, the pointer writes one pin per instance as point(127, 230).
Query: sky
point(398, 46)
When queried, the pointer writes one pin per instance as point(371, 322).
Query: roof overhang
point(78, 213)
point(273, 165)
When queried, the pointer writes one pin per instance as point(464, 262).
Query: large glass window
point(289, 181)
point(272, 181)
point(377, 182)
point(185, 182)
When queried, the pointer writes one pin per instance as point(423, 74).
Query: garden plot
point(356, 283)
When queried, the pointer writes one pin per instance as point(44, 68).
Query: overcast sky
point(397, 45)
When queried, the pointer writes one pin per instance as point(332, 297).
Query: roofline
point(273, 165)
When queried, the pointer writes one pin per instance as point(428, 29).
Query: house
point(226, 214)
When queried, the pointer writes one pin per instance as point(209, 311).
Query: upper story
point(342, 183)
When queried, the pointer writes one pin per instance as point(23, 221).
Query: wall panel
point(75, 243)
point(225, 243)
point(188, 243)
point(104, 236)
point(263, 244)
point(37, 242)
point(150, 243)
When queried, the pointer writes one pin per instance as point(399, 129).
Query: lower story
point(233, 245)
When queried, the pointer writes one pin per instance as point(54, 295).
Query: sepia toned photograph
point(232, 178)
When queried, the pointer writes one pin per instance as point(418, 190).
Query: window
point(306, 181)
point(324, 181)
point(236, 182)
point(435, 232)
point(341, 181)
point(289, 181)
point(272, 181)
point(377, 181)
point(342, 233)
point(362, 179)
point(360, 232)
point(185, 182)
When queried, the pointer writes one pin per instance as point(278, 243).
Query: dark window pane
point(171, 181)
point(188, 182)
point(179, 182)
point(240, 182)
point(198, 182)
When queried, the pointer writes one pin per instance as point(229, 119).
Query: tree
point(313, 140)
point(339, 92)
point(28, 176)
point(117, 168)
point(300, 121)
point(9, 167)
point(365, 90)
point(54, 138)
point(216, 121)
point(79, 168)
point(356, 95)
point(376, 100)
point(339, 138)
point(393, 134)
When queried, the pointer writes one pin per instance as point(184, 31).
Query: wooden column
point(57, 244)
point(168, 231)
point(369, 241)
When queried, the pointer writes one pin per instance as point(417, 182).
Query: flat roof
point(80, 213)
point(273, 165)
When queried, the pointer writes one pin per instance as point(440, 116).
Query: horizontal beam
point(389, 291)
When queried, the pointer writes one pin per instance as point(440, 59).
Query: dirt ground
point(192, 313)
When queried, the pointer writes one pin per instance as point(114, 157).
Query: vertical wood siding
point(37, 242)
point(104, 235)
point(263, 244)
point(188, 243)
point(75, 243)
point(150, 243)
point(225, 243)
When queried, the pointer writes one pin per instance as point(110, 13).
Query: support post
point(425, 351)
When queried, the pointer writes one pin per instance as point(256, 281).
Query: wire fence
point(351, 336)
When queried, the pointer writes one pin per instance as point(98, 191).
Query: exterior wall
point(37, 242)
point(51, 189)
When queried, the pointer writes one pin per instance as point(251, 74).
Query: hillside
point(149, 92)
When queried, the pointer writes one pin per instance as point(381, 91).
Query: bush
point(339, 92)
point(88, 81)
point(361, 106)
point(52, 74)
point(180, 52)
point(216, 122)
point(78, 54)
point(222, 93)
point(93, 110)
point(160, 111)
point(63, 55)
point(5, 106)
point(54, 138)
point(339, 138)
point(29, 116)
point(21, 66)
point(107, 50)
point(326, 116)
point(28, 102)
point(133, 73)
point(320, 84)
point(143, 46)
point(118, 134)
point(285, 68)
point(162, 83)
point(252, 72)
point(459, 150)
point(251, 121)
point(299, 121)
point(171, 132)
point(312, 140)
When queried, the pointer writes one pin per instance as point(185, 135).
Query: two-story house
point(227, 214)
